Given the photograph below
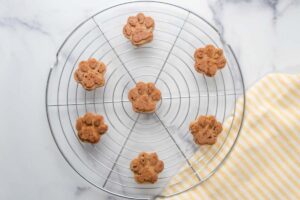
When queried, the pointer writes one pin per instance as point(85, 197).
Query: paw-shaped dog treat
point(139, 29)
point(144, 97)
point(209, 59)
point(146, 167)
point(90, 127)
point(205, 130)
point(90, 74)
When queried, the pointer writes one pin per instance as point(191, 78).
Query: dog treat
point(205, 130)
point(146, 167)
point(144, 97)
point(90, 74)
point(209, 59)
point(90, 127)
point(139, 29)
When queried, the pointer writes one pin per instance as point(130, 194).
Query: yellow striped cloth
point(265, 163)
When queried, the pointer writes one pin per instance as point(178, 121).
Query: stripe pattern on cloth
point(265, 162)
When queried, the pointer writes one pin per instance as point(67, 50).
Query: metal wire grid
point(61, 111)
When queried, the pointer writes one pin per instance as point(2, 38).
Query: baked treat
point(209, 59)
point(91, 127)
point(90, 74)
point(139, 29)
point(144, 97)
point(205, 130)
point(146, 167)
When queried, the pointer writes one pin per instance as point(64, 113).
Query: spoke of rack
point(123, 146)
point(122, 101)
point(113, 50)
point(89, 103)
point(165, 62)
point(186, 159)
point(203, 95)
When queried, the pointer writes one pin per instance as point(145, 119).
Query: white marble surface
point(263, 33)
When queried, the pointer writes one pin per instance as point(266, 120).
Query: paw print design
point(205, 130)
point(90, 74)
point(91, 127)
point(144, 97)
point(146, 167)
point(208, 60)
point(139, 29)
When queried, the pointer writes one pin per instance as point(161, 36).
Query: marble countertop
point(263, 33)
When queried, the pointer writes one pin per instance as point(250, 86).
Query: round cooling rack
point(168, 62)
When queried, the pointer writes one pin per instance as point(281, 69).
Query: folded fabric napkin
point(265, 162)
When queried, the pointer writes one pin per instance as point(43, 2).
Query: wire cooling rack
point(167, 61)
